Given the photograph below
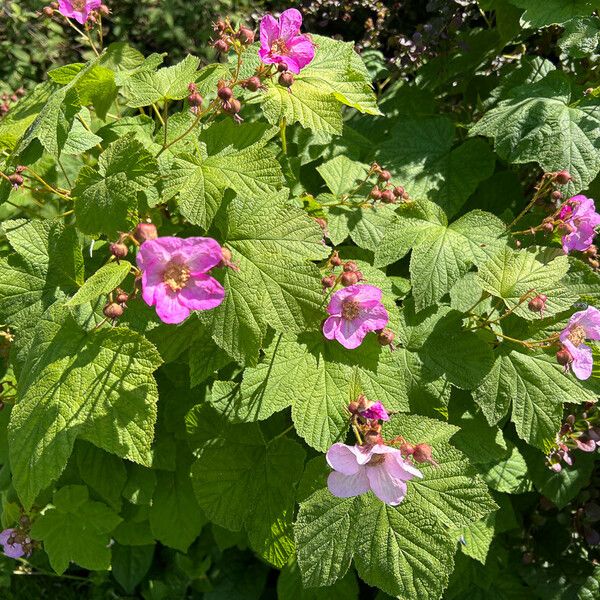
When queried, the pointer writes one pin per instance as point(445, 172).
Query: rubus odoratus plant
point(213, 337)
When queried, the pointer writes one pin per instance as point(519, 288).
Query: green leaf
point(289, 587)
point(342, 175)
point(442, 253)
point(421, 155)
point(146, 86)
point(103, 281)
point(538, 123)
point(508, 475)
point(106, 196)
point(581, 37)
point(477, 537)
point(537, 387)
point(107, 376)
point(76, 529)
point(239, 479)
point(276, 284)
point(513, 275)
point(540, 13)
point(130, 564)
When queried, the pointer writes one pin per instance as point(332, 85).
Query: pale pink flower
point(583, 325)
point(375, 410)
point(10, 546)
point(175, 276)
point(281, 41)
point(354, 311)
point(379, 468)
point(581, 219)
point(78, 9)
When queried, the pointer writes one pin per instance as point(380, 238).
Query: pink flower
point(174, 276)
point(354, 311)
point(376, 410)
point(78, 9)
point(281, 42)
point(581, 219)
point(358, 469)
point(583, 325)
point(10, 546)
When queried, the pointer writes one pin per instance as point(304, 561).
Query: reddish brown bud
point(20, 168)
point(385, 175)
point(145, 231)
point(556, 195)
point(225, 93)
point(286, 79)
point(20, 92)
point(405, 196)
point(4, 108)
point(253, 84)
point(219, 26)
point(375, 193)
point(548, 227)
point(48, 11)
point(14, 98)
point(16, 180)
point(593, 263)
point(227, 259)
point(407, 449)
point(399, 191)
point(422, 454)
point(119, 250)
point(591, 250)
point(562, 177)
point(328, 281)
point(122, 297)
point(388, 196)
point(104, 10)
point(350, 266)
point(538, 304)
point(246, 34)
point(386, 337)
point(563, 357)
point(195, 99)
point(221, 46)
point(113, 310)
point(335, 259)
point(232, 107)
point(349, 278)
point(373, 437)
point(282, 67)
point(192, 87)
point(359, 275)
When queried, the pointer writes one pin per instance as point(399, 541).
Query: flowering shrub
point(244, 307)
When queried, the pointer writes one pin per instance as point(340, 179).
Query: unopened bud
point(399, 191)
point(386, 337)
point(286, 79)
point(48, 11)
point(104, 10)
point(335, 259)
point(192, 87)
point(227, 259)
point(225, 93)
point(591, 250)
point(20, 168)
point(16, 180)
point(246, 34)
point(375, 193)
point(563, 357)
point(232, 107)
point(122, 297)
point(359, 276)
point(282, 67)
point(353, 407)
point(538, 304)
point(422, 454)
point(54, 5)
point(221, 46)
point(253, 84)
point(113, 310)
point(328, 281)
point(562, 177)
point(556, 195)
point(385, 175)
point(349, 278)
point(219, 26)
point(4, 108)
point(548, 227)
point(593, 263)
point(350, 266)
point(119, 250)
point(405, 196)
point(407, 449)
point(195, 99)
point(145, 231)
point(388, 196)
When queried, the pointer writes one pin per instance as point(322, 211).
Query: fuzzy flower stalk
point(353, 312)
point(78, 9)
point(574, 354)
point(175, 276)
point(282, 43)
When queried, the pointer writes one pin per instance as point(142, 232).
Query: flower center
point(376, 459)
point(78, 5)
point(350, 310)
point(577, 335)
point(176, 275)
point(279, 47)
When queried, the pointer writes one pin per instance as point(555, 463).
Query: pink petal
point(168, 307)
point(4, 535)
point(375, 318)
point(202, 292)
point(387, 488)
point(343, 458)
point(161, 249)
point(590, 321)
point(350, 334)
point(366, 293)
point(302, 50)
point(346, 486)
point(335, 304)
point(400, 468)
point(290, 22)
point(200, 254)
point(269, 32)
point(151, 280)
point(268, 58)
point(330, 327)
point(583, 360)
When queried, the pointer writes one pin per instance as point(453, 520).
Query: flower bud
point(195, 99)
point(388, 196)
point(349, 278)
point(20, 168)
point(562, 177)
point(556, 195)
point(282, 67)
point(373, 437)
point(563, 357)
point(350, 266)
point(16, 180)
point(548, 227)
point(359, 275)
point(4, 108)
point(385, 175)
point(253, 84)
point(122, 296)
point(54, 5)
point(328, 281)
point(219, 26)
point(335, 259)
point(246, 34)
point(14, 98)
point(353, 407)
point(593, 263)
point(113, 310)
point(286, 79)
point(538, 304)
point(399, 191)
point(227, 259)
point(232, 107)
point(20, 92)
point(221, 46)
point(422, 454)
point(591, 250)
point(407, 449)
point(145, 231)
point(119, 250)
point(104, 10)
point(405, 196)
point(192, 87)
point(225, 93)
point(386, 337)
point(375, 193)
point(48, 11)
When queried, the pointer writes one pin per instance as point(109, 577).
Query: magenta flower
point(354, 311)
point(375, 410)
point(583, 325)
point(10, 546)
point(358, 469)
point(281, 42)
point(581, 219)
point(78, 9)
point(174, 276)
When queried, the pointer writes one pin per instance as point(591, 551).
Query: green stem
point(282, 133)
point(279, 435)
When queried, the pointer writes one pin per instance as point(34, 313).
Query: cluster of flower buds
point(8, 98)
point(350, 274)
point(576, 433)
point(286, 78)
point(385, 191)
point(141, 233)
point(229, 103)
point(16, 178)
point(116, 305)
point(228, 37)
point(195, 99)
point(85, 11)
point(420, 453)
point(365, 417)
